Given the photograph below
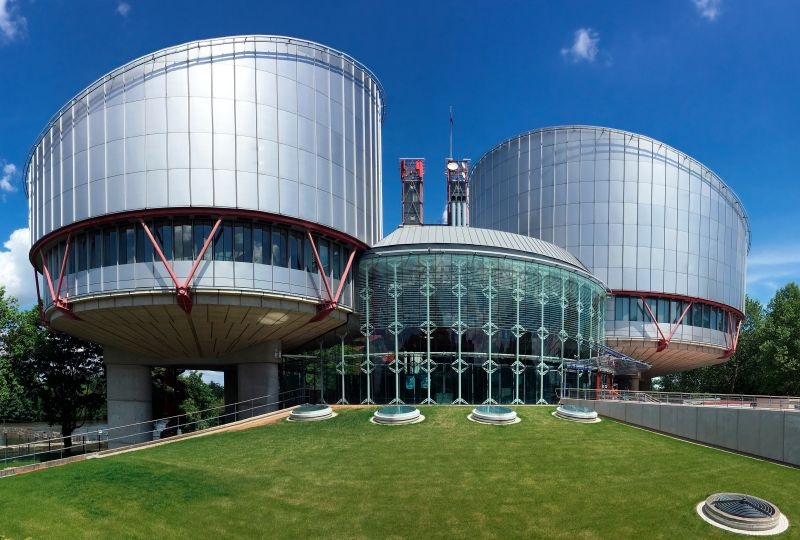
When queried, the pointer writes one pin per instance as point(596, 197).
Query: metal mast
point(412, 171)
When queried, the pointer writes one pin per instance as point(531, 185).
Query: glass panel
point(110, 247)
point(258, 244)
point(296, 251)
point(95, 249)
point(279, 257)
point(223, 243)
point(242, 243)
point(164, 237)
point(663, 310)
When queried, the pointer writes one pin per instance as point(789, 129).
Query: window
point(636, 309)
point(183, 241)
point(242, 243)
point(324, 255)
point(130, 245)
point(144, 248)
point(95, 249)
point(260, 239)
point(223, 243)
point(621, 308)
point(81, 252)
point(663, 310)
point(279, 257)
point(109, 247)
point(200, 231)
point(296, 251)
point(164, 237)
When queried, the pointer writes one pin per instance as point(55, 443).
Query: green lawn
point(443, 478)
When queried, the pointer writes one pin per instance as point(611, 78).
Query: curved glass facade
point(461, 327)
point(245, 254)
point(262, 123)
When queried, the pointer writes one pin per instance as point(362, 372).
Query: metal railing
point(48, 449)
point(686, 398)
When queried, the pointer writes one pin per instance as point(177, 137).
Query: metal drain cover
point(742, 513)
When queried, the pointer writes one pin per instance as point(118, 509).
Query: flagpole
point(451, 132)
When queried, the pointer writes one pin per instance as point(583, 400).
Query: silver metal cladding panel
point(639, 214)
point(263, 123)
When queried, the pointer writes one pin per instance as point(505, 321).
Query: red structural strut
point(39, 303)
point(183, 292)
point(734, 338)
point(59, 302)
point(327, 306)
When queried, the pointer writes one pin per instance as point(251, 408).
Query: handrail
point(98, 440)
point(695, 399)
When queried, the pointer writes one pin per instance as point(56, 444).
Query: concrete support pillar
point(258, 384)
point(634, 383)
point(259, 389)
point(130, 401)
point(231, 394)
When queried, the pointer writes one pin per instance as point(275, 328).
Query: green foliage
point(443, 478)
point(203, 401)
point(767, 359)
point(62, 375)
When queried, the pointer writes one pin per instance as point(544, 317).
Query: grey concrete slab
point(686, 422)
point(761, 433)
point(791, 437)
point(633, 413)
point(651, 415)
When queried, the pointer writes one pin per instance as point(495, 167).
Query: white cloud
point(12, 24)
point(708, 9)
point(16, 272)
point(584, 48)
point(769, 269)
point(9, 171)
point(123, 8)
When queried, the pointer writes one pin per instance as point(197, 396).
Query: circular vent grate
point(742, 513)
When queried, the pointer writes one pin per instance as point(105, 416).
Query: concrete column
point(258, 384)
point(259, 389)
point(130, 401)
point(634, 383)
point(231, 394)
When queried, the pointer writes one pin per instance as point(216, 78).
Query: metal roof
point(426, 236)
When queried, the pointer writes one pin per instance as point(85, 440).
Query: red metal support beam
point(160, 253)
point(319, 265)
point(734, 338)
point(183, 292)
point(59, 302)
point(327, 306)
point(203, 251)
point(39, 303)
point(674, 329)
point(663, 339)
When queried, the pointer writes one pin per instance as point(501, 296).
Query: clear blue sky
point(717, 79)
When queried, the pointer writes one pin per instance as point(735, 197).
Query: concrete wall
point(772, 434)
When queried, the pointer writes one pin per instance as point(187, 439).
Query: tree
point(64, 374)
point(203, 401)
point(15, 405)
point(779, 347)
point(767, 359)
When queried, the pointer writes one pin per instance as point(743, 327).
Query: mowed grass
point(444, 478)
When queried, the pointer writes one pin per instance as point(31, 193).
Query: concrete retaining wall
point(772, 434)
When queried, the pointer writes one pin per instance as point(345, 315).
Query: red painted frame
point(326, 307)
point(664, 341)
point(61, 303)
point(183, 290)
point(232, 213)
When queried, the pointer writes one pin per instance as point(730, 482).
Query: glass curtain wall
point(462, 328)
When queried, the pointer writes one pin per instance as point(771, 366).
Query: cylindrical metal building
point(665, 233)
point(183, 205)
